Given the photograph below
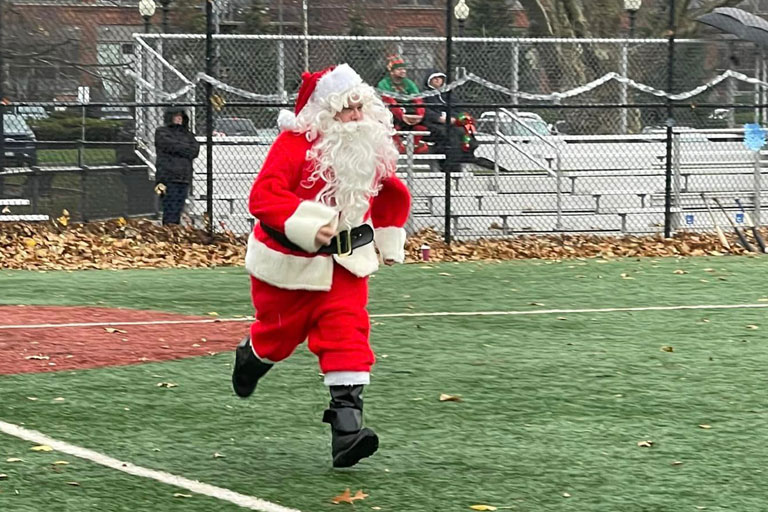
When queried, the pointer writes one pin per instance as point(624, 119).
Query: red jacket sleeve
point(392, 205)
point(273, 200)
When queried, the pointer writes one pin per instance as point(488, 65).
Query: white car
point(524, 124)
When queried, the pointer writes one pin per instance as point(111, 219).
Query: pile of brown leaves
point(115, 244)
point(555, 247)
point(122, 244)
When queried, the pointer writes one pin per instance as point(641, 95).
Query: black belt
point(342, 244)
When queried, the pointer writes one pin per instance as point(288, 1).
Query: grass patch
point(91, 156)
point(552, 404)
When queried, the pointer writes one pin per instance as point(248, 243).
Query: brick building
point(54, 47)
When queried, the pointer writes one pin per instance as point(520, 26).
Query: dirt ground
point(42, 338)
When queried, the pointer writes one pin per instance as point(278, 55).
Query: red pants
point(335, 323)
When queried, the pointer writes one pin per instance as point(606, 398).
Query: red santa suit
point(297, 293)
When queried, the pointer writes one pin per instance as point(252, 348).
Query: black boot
point(349, 441)
point(248, 369)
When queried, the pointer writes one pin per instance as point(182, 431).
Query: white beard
point(352, 158)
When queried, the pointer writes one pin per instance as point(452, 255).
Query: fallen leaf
point(679, 271)
point(180, 495)
point(167, 385)
point(5, 210)
point(112, 330)
point(3, 476)
point(61, 463)
point(345, 497)
point(667, 348)
point(59, 399)
point(676, 463)
point(218, 456)
point(38, 357)
point(359, 495)
point(213, 313)
point(626, 276)
point(705, 427)
point(73, 484)
point(566, 495)
point(536, 303)
point(483, 507)
point(33, 398)
point(445, 397)
point(42, 448)
point(753, 327)
point(13, 459)
point(444, 274)
point(645, 444)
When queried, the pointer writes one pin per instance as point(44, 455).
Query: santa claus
point(329, 207)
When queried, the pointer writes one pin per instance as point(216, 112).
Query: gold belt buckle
point(348, 235)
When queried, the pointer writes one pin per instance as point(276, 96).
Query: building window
point(417, 2)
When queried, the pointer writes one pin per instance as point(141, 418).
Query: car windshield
point(15, 124)
point(512, 127)
point(236, 126)
point(39, 111)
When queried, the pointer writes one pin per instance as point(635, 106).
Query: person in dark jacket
point(176, 148)
point(435, 121)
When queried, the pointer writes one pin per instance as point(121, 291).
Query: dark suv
point(20, 142)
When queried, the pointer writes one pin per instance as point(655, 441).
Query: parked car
point(527, 124)
point(234, 127)
point(30, 112)
point(20, 143)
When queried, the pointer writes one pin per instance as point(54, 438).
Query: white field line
point(411, 315)
point(194, 486)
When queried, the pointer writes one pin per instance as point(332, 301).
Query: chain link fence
point(548, 161)
point(558, 152)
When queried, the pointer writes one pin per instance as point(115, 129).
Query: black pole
point(670, 122)
point(448, 115)
point(632, 14)
point(165, 15)
point(146, 24)
point(209, 67)
point(2, 91)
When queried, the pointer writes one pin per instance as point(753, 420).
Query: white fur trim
point(340, 80)
point(363, 262)
point(391, 243)
point(302, 227)
point(347, 378)
point(286, 120)
point(286, 270)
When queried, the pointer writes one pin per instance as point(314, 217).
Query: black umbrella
point(738, 22)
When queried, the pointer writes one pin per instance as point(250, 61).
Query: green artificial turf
point(552, 406)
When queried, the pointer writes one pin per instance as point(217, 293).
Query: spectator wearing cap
point(409, 113)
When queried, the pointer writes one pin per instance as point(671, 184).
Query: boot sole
point(363, 447)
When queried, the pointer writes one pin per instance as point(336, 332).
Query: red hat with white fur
point(316, 87)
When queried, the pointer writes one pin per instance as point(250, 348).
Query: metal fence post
point(448, 115)
point(623, 66)
point(209, 69)
point(670, 122)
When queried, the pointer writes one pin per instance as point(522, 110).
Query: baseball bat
point(755, 232)
point(739, 233)
point(720, 233)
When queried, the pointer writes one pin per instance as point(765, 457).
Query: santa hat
point(316, 87)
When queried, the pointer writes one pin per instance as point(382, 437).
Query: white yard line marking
point(194, 486)
point(410, 315)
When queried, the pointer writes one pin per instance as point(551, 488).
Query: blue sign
point(754, 136)
point(740, 218)
point(689, 219)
